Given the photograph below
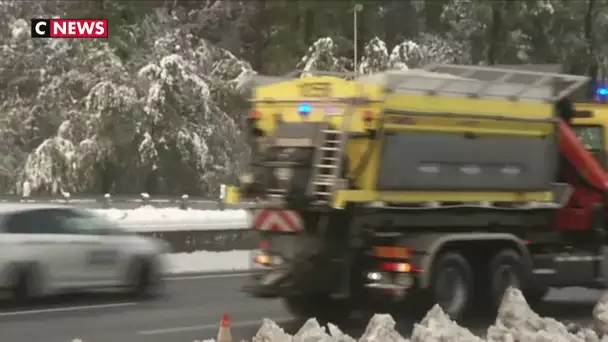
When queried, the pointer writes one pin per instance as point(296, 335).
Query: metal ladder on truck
point(328, 161)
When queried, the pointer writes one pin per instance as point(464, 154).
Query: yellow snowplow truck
point(441, 185)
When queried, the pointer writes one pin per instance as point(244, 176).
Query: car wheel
point(24, 283)
point(145, 282)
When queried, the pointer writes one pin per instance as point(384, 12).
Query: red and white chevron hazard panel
point(277, 220)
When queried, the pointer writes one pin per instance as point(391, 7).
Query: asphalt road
point(192, 311)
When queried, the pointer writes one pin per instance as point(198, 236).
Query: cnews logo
point(69, 28)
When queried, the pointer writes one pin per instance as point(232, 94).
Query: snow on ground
point(148, 218)
point(515, 322)
point(205, 261)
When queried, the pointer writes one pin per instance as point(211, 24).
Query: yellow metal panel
point(600, 114)
point(459, 124)
point(344, 196)
point(233, 195)
point(281, 100)
point(463, 105)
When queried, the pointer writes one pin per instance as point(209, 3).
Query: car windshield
point(592, 136)
point(92, 223)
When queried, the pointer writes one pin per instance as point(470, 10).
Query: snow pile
point(515, 322)
point(207, 261)
point(437, 326)
point(310, 331)
point(148, 218)
point(600, 314)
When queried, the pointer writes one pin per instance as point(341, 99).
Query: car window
point(592, 136)
point(86, 223)
point(43, 221)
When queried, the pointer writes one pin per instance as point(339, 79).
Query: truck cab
point(589, 123)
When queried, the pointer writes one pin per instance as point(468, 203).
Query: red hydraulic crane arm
point(575, 152)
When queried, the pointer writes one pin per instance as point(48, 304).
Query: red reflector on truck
point(391, 252)
point(401, 267)
point(254, 115)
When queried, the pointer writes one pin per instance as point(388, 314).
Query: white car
point(50, 249)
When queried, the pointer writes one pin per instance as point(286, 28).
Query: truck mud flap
point(268, 284)
point(604, 266)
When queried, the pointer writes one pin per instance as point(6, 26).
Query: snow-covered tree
point(322, 56)
point(428, 49)
point(83, 117)
point(375, 57)
point(161, 104)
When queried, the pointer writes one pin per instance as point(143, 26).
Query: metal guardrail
point(127, 202)
point(209, 240)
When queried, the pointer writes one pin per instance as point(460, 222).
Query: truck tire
point(452, 284)
point(535, 297)
point(319, 306)
point(505, 270)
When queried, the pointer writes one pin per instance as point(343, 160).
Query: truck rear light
point(400, 267)
point(391, 252)
point(368, 115)
point(267, 260)
point(252, 120)
point(254, 115)
point(262, 259)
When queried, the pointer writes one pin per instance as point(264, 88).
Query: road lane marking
point(66, 309)
point(207, 276)
point(213, 326)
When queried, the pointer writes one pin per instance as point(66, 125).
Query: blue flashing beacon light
point(304, 109)
point(602, 91)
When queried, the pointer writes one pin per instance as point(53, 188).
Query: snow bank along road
point(194, 306)
point(126, 202)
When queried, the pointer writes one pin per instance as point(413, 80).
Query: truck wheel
point(505, 270)
point(319, 306)
point(452, 284)
point(536, 296)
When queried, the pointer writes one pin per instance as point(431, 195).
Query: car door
point(81, 244)
point(45, 243)
point(99, 253)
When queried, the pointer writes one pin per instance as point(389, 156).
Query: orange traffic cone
point(224, 334)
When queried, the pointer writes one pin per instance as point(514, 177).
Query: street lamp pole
point(358, 8)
